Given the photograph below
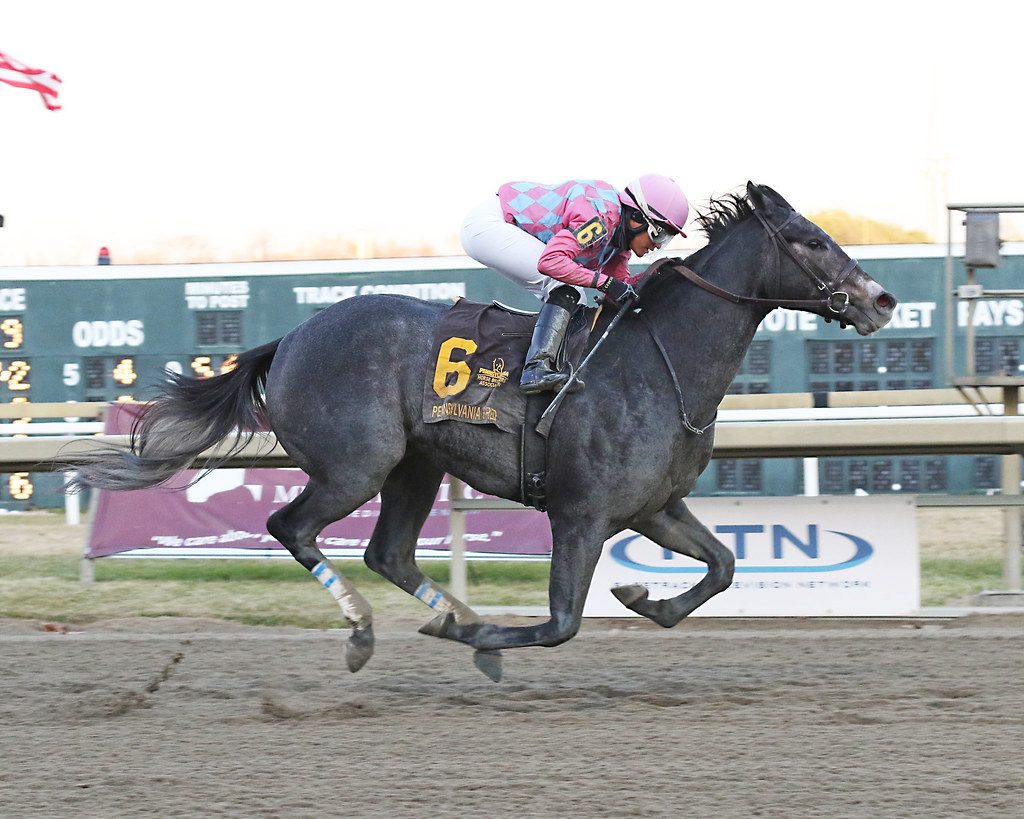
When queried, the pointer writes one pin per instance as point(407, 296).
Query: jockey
point(555, 240)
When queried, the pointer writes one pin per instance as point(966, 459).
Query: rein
point(835, 300)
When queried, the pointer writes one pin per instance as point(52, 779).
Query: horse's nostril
point(885, 302)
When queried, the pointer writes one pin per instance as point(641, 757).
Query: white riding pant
point(510, 250)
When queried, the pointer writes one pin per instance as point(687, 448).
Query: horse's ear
point(758, 198)
point(760, 195)
point(774, 194)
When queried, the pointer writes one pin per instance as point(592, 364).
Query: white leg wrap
point(439, 600)
point(356, 610)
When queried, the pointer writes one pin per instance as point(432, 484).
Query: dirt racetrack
point(715, 718)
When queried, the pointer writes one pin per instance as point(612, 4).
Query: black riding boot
point(541, 370)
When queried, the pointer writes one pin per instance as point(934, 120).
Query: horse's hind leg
point(406, 499)
point(296, 527)
point(675, 528)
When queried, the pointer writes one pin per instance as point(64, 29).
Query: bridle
point(835, 299)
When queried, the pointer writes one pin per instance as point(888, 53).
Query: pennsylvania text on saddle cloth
point(477, 360)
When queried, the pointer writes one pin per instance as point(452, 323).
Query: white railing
point(987, 431)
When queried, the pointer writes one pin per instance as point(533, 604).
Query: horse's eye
point(814, 244)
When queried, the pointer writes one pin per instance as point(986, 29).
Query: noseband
point(835, 300)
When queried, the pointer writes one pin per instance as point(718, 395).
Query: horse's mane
point(722, 214)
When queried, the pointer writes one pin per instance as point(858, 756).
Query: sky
point(230, 125)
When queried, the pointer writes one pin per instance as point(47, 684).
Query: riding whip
point(548, 417)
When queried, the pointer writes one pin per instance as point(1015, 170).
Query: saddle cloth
point(477, 359)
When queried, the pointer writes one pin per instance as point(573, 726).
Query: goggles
point(660, 235)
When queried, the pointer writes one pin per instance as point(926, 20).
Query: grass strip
point(280, 592)
point(952, 581)
point(254, 592)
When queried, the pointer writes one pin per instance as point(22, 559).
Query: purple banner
point(228, 509)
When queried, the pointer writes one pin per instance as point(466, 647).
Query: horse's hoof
point(630, 595)
point(489, 662)
point(438, 627)
point(359, 648)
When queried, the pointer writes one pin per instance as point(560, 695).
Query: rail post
point(457, 530)
point(72, 503)
point(1012, 515)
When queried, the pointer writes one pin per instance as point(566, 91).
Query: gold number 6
point(589, 233)
point(445, 365)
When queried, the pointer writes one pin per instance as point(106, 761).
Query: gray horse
point(343, 394)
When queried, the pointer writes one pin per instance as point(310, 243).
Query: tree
point(849, 229)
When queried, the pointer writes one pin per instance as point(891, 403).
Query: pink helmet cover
point(659, 199)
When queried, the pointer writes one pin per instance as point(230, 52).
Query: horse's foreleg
point(406, 500)
point(576, 546)
point(296, 527)
point(675, 528)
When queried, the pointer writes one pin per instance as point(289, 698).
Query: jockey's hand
point(619, 292)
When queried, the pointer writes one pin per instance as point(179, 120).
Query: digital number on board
point(12, 333)
point(14, 374)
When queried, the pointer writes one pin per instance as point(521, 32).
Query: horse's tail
point(188, 417)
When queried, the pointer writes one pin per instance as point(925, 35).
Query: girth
point(533, 454)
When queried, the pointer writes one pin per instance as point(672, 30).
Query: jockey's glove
point(618, 291)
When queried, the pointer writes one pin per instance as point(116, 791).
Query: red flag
point(17, 73)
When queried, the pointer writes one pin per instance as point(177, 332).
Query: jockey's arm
point(559, 261)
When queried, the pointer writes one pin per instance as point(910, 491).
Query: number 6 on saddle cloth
point(478, 354)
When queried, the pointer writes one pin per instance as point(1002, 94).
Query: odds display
point(111, 333)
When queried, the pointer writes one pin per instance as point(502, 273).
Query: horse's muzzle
point(873, 304)
point(885, 303)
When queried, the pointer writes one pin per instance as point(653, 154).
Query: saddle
point(475, 365)
point(473, 376)
point(477, 360)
